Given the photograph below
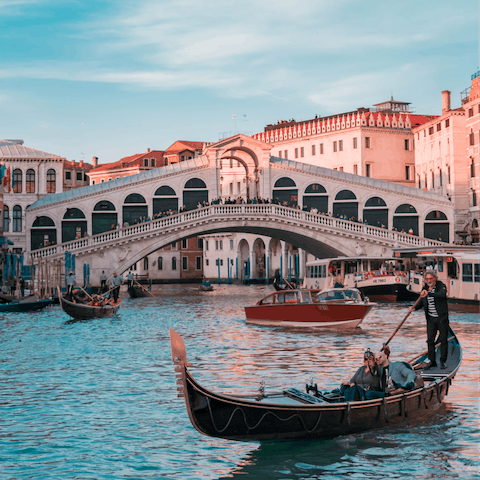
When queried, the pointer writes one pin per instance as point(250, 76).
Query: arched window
point(375, 212)
point(405, 208)
point(284, 182)
point(160, 263)
point(375, 202)
point(195, 183)
point(6, 219)
point(165, 190)
point(406, 219)
point(168, 202)
point(436, 226)
point(436, 215)
point(17, 218)
point(43, 233)
point(17, 181)
point(73, 213)
point(104, 217)
point(345, 195)
point(103, 205)
point(30, 178)
point(315, 197)
point(315, 188)
point(135, 198)
point(43, 222)
point(174, 263)
point(51, 181)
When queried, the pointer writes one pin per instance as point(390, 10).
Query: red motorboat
point(331, 307)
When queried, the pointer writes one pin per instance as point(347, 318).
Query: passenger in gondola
point(395, 377)
point(366, 379)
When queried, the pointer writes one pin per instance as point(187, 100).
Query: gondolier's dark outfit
point(116, 282)
point(436, 312)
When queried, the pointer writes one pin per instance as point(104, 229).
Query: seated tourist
point(366, 379)
point(395, 377)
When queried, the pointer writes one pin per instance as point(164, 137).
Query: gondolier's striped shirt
point(432, 310)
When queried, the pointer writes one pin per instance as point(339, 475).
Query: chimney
point(95, 162)
point(80, 164)
point(446, 101)
point(148, 150)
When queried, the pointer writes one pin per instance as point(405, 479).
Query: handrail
point(217, 212)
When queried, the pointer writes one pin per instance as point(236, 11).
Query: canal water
point(97, 399)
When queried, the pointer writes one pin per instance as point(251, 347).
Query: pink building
point(447, 158)
point(376, 142)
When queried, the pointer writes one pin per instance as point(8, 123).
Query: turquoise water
point(97, 399)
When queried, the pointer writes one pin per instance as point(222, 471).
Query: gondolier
point(115, 283)
point(129, 280)
point(103, 282)
point(434, 302)
point(70, 284)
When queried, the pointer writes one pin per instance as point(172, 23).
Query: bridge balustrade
point(233, 211)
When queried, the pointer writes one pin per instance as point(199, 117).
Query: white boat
point(381, 279)
point(458, 267)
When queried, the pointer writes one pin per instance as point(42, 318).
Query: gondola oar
point(289, 284)
point(399, 326)
point(141, 286)
point(89, 296)
point(113, 288)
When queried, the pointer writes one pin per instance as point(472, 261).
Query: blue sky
point(113, 78)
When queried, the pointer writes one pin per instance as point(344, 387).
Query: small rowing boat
point(332, 307)
point(296, 414)
point(25, 306)
point(86, 311)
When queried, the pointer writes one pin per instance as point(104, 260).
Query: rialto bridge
point(112, 225)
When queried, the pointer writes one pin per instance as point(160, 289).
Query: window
point(174, 263)
point(440, 176)
point(280, 154)
point(79, 176)
point(184, 263)
point(198, 263)
point(407, 144)
point(17, 182)
point(321, 149)
point(474, 198)
point(449, 174)
point(145, 263)
point(355, 142)
point(447, 123)
point(470, 112)
point(174, 245)
point(430, 131)
point(407, 171)
point(145, 162)
point(340, 169)
point(286, 154)
point(160, 263)
point(85, 177)
point(302, 152)
point(6, 219)
point(433, 179)
point(51, 181)
point(206, 244)
point(231, 244)
point(296, 153)
point(17, 218)
point(367, 170)
point(472, 168)
point(30, 178)
point(199, 242)
point(184, 243)
point(367, 142)
point(424, 133)
point(206, 262)
point(68, 175)
point(476, 278)
point(340, 145)
point(472, 138)
point(355, 169)
point(334, 146)
point(221, 244)
point(152, 162)
point(313, 149)
point(216, 244)
point(467, 272)
point(439, 127)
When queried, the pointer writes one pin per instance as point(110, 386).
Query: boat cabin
point(331, 295)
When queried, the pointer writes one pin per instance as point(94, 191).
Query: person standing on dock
point(116, 281)
point(434, 302)
point(103, 282)
point(70, 283)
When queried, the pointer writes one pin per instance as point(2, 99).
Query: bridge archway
point(436, 226)
point(43, 233)
point(165, 199)
point(375, 212)
point(285, 190)
point(74, 224)
point(406, 218)
point(195, 192)
point(250, 163)
point(134, 209)
point(345, 206)
point(104, 217)
point(315, 196)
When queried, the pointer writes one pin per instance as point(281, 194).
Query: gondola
point(25, 306)
point(295, 414)
point(138, 292)
point(83, 311)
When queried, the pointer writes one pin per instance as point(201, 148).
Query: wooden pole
point(89, 296)
point(141, 286)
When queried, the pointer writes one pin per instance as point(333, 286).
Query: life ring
point(397, 279)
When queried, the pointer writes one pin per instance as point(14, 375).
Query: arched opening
point(17, 219)
point(315, 196)
point(258, 270)
point(285, 192)
point(436, 226)
point(51, 181)
point(6, 218)
point(17, 181)
point(195, 192)
point(243, 260)
point(405, 219)
point(375, 212)
point(275, 248)
point(43, 233)
point(166, 199)
point(135, 209)
point(30, 181)
point(74, 225)
point(104, 217)
point(344, 206)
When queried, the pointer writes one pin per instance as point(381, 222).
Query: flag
point(7, 180)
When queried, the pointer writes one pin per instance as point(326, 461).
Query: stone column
point(284, 260)
point(301, 263)
point(253, 267)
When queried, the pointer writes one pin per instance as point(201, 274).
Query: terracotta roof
point(73, 164)
point(181, 145)
point(129, 162)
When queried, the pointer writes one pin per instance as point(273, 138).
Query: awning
point(5, 241)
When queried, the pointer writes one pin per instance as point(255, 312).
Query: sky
point(113, 78)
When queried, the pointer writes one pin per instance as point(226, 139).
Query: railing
point(218, 212)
